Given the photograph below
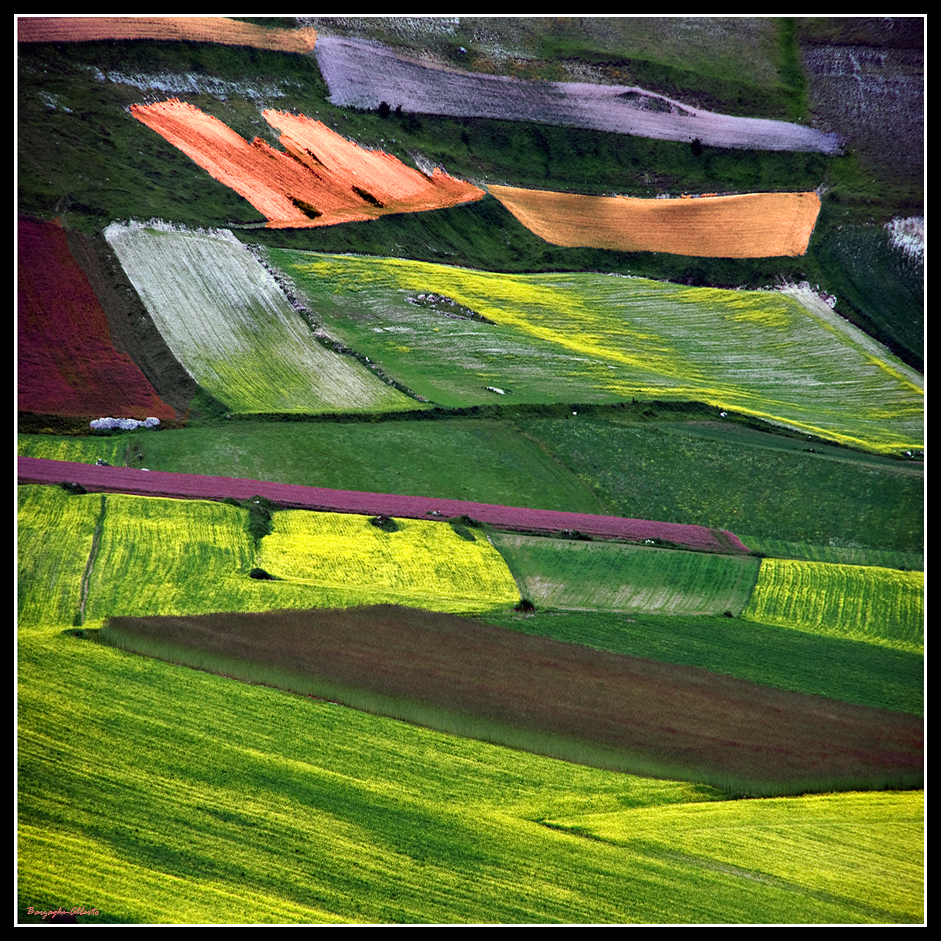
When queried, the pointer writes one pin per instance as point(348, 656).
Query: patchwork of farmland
point(511, 540)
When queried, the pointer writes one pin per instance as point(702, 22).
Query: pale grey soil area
point(364, 74)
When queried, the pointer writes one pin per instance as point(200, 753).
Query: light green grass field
point(158, 794)
point(592, 338)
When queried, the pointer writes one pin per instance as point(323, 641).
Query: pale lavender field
point(362, 74)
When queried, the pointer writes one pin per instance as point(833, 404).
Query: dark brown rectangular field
point(646, 714)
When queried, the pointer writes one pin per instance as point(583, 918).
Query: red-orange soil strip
point(323, 179)
point(753, 225)
point(216, 29)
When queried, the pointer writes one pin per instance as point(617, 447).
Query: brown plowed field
point(639, 711)
point(192, 28)
point(323, 179)
point(753, 225)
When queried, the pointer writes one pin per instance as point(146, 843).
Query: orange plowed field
point(192, 28)
point(323, 178)
point(753, 225)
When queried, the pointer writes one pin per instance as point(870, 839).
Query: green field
point(555, 573)
point(583, 337)
point(249, 805)
point(866, 603)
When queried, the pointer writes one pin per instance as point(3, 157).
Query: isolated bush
point(262, 574)
point(72, 487)
point(525, 605)
point(386, 523)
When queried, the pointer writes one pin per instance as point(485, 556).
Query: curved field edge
point(585, 705)
point(751, 225)
point(210, 801)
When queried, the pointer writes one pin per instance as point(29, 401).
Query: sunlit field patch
point(216, 29)
point(588, 337)
point(876, 605)
point(418, 560)
point(224, 317)
point(826, 844)
point(752, 225)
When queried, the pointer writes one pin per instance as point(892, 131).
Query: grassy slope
point(65, 107)
point(579, 575)
point(640, 462)
point(587, 337)
point(249, 805)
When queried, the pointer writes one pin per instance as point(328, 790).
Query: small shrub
point(72, 487)
point(386, 523)
point(262, 574)
point(525, 605)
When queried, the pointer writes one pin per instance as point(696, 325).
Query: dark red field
point(636, 714)
point(198, 487)
point(66, 361)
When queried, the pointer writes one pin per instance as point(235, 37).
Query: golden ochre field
point(751, 225)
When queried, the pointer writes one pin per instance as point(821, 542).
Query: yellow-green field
point(155, 555)
point(860, 602)
point(420, 560)
point(587, 337)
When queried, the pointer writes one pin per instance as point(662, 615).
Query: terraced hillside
point(470, 470)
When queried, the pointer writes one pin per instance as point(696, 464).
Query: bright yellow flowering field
point(421, 561)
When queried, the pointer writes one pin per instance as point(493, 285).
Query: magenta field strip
point(292, 496)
